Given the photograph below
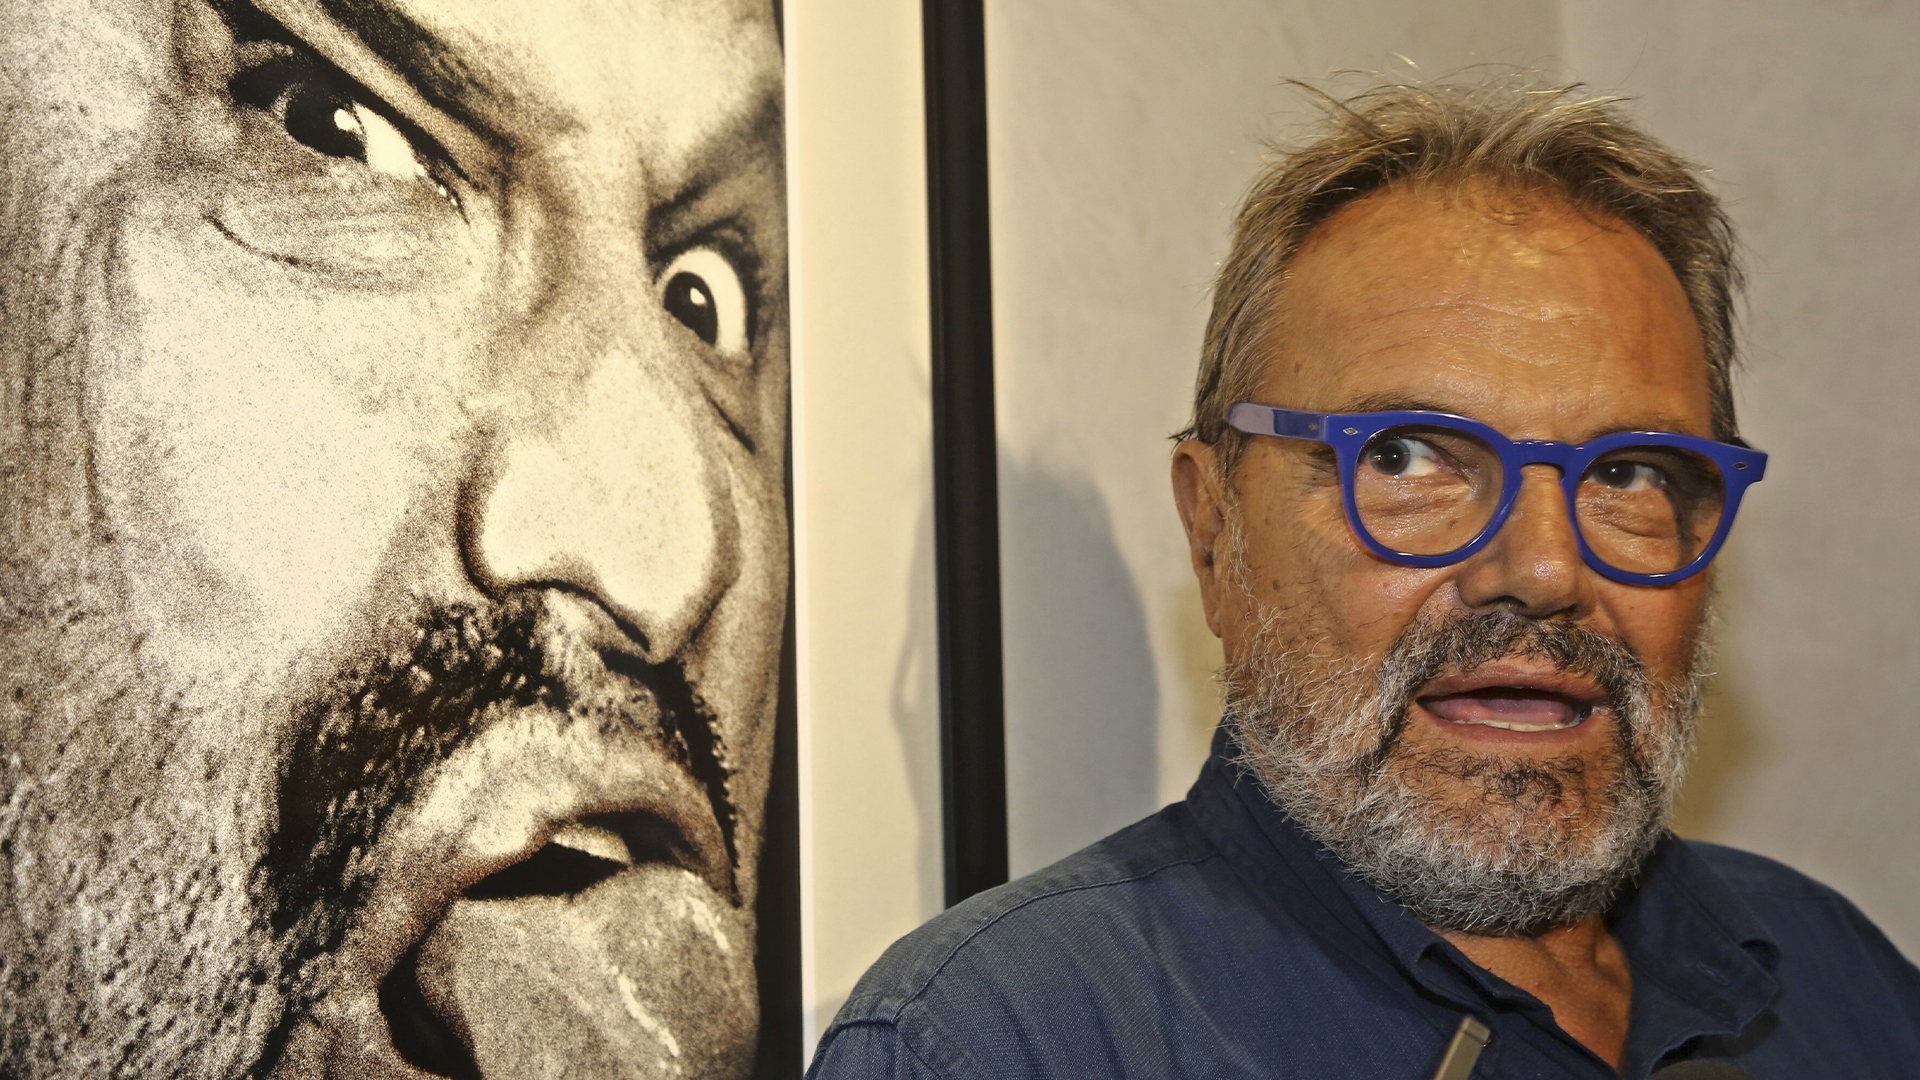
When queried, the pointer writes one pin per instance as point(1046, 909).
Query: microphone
point(1472, 1036)
point(1702, 1070)
point(1468, 1040)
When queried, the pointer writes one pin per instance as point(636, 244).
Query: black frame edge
point(965, 465)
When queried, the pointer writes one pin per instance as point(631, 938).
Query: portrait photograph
point(394, 543)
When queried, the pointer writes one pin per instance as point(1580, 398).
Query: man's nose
point(1532, 566)
point(607, 476)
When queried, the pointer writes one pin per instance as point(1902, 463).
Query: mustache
point(1462, 641)
point(367, 744)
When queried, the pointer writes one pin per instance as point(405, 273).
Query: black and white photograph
point(394, 544)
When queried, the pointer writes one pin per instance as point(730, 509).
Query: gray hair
point(1516, 133)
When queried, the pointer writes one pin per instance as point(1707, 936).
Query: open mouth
point(1510, 708)
point(1511, 699)
point(539, 834)
point(429, 1031)
point(534, 796)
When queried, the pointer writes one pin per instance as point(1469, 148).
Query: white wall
point(869, 744)
point(1121, 137)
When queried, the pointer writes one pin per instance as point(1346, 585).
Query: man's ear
point(1197, 494)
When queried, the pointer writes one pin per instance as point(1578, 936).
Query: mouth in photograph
point(1513, 704)
point(538, 807)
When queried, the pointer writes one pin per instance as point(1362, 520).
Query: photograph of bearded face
point(393, 534)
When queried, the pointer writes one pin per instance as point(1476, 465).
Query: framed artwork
point(394, 540)
point(493, 578)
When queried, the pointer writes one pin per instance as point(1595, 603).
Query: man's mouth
point(1510, 708)
point(1511, 699)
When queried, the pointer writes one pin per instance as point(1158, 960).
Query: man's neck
point(1579, 971)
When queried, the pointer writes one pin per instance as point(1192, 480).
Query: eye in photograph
point(326, 113)
point(324, 175)
point(701, 289)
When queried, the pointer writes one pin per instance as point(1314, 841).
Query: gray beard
point(1471, 843)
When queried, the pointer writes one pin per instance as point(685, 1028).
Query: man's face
point(392, 435)
point(1515, 716)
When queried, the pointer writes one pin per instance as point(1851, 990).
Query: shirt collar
point(1702, 962)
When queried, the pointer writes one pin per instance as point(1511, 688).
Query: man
point(393, 545)
point(1463, 448)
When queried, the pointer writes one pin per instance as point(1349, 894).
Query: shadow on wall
point(1198, 660)
point(1082, 698)
point(914, 698)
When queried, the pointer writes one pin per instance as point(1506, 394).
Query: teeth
point(593, 840)
point(1522, 727)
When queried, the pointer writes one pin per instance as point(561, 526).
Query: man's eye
point(1628, 476)
point(701, 289)
point(1404, 456)
point(329, 116)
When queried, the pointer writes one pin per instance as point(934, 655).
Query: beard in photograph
point(1503, 845)
point(202, 946)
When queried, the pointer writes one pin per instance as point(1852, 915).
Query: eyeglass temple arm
point(1282, 423)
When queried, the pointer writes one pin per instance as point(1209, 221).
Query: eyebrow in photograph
point(395, 59)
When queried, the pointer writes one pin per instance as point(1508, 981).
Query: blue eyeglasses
point(1430, 489)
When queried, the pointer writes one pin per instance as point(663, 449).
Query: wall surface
point(863, 508)
point(1122, 135)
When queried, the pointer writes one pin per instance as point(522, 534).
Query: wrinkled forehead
point(676, 76)
point(1514, 307)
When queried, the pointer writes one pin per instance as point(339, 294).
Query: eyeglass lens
point(1642, 509)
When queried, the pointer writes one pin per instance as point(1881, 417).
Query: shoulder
point(1786, 900)
point(1812, 924)
point(1099, 891)
point(1038, 954)
point(1754, 875)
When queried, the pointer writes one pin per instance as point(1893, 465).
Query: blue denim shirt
point(1215, 939)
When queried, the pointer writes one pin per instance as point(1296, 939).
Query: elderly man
point(1463, 448)
point(393, 546)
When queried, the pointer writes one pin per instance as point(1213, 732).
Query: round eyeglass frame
point(1348, 433)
